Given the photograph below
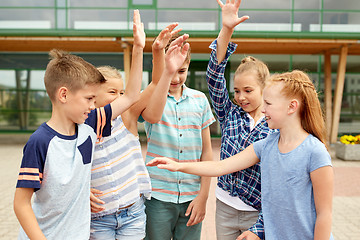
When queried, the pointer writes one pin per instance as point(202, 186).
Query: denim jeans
point(127, 224)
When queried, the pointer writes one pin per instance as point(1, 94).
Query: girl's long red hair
point(297, 84)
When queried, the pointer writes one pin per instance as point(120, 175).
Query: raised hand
point(164, 163)
point(138, 30)
point(164, 36)
point(229, 12)
point(176, 53)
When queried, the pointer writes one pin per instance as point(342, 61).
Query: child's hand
point(196, 210)
point(248, 235)
point(164, 163)
point(93, 200)
point(176, 54)
point(138, 30)
point(229, 11)
point(164, 36)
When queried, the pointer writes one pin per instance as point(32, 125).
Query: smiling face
point(179, 79)
point(275, 105)
point(248, 92)
point(109, 91)
point(80, 103)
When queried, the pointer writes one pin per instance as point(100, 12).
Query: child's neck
point(61, 124)
point(177, 94)
point(291, 138)
point(256, 115)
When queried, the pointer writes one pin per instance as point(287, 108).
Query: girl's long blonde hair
point(298, 85)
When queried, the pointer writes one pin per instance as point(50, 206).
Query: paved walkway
point(346, 218)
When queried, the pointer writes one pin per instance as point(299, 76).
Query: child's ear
point(293, 106)
point(62, 94)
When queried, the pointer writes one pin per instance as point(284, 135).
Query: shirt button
point(180, 151)
point(180, 135)
point(179, 119)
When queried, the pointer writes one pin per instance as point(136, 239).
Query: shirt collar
point(185, 93)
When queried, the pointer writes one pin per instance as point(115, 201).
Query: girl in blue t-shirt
point(296, 171)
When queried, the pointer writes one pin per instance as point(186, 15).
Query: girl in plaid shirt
point(238, 204)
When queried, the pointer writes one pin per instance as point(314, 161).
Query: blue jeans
point(128, 223)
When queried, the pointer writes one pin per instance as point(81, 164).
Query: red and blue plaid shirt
point(236, 135)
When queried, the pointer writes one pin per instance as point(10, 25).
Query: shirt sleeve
point(100, 120)
point(258, 227)
point(33, 161)
point(320, 157)
point(217, 83)
point(259, 146)
point(208, 117)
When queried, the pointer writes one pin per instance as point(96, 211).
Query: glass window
point(261, 4)
point(37, 79)
point(98, 19)
point(267, 16)
point(27, 3)
point(188, 20)
point(306, 19)
point(314, 4)
point(348, 4)
point(27, 18)
point(96, 3)
point(306, 63)
point(142, 2)
point(7, 79)
point(203, 4)
point(341, 22)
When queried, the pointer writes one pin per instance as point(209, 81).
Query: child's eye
point(248, 91)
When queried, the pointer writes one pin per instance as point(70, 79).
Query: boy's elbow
point(152, 119)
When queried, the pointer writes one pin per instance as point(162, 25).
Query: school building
point(320, 37)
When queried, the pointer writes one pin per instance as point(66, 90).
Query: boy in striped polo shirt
point(178, 202)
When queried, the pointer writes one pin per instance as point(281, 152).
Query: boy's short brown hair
point(70, 71)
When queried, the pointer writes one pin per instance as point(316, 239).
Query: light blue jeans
point(127, 224)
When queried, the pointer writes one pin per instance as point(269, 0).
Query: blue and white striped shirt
point(118, 169)
point(235, 135)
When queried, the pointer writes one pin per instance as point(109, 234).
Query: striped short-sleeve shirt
point(118, 169)
point(178, 136)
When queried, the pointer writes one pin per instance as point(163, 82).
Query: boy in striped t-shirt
point(178, 202)
point(119, 177)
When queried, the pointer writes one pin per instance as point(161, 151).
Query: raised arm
point(158, 49)
point(235, 163)
point(133, 85)
point(174, 59)
point(230, 20)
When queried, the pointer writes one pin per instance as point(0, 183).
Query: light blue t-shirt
point(286, 188)
point(58, 168)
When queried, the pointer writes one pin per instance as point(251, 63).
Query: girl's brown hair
point(299, 85)
point(251, 64)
